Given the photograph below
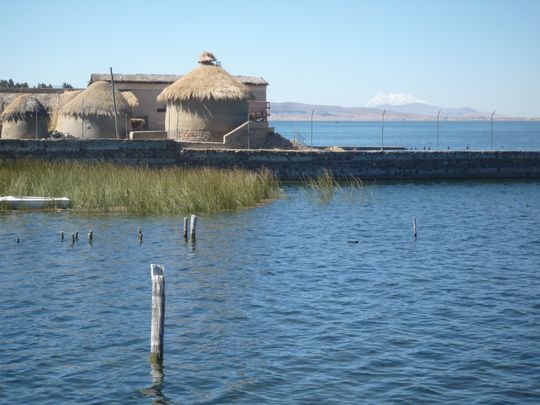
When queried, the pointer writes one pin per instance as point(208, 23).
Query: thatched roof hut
point(207, 82)
point(25, 118)
point(96, 101)
point(205, 104)
point(47, 97)
point(24, 107)
point(90, 114)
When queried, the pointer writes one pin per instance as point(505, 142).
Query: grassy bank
point(139, 190)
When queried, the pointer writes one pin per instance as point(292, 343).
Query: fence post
point(186, 227)
point(158, 314)
point(193, 228)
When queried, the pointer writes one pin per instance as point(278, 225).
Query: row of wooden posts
point(190, 232)
point(158, 290)
point(158, 300)
point(190, 228)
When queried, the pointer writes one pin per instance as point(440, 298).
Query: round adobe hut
point(25, 118)
point(90, 114)
point(205, 104)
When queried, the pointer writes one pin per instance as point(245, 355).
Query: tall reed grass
point(325, 187)
point(106, 187)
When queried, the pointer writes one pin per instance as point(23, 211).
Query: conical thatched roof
point(24, 107)
point(67, 96)
point(96, 100)
point(207, 82)
point(131, 99)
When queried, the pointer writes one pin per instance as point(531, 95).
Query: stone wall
point(146, 152)
point(288, 165)
point(291, 165)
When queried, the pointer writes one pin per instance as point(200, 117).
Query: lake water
point(279, 304)
point(456, 135)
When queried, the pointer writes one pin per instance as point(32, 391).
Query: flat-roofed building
point(147, 87)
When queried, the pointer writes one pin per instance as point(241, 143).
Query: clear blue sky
point(479, 53)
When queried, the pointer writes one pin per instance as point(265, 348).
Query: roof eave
point(122, 78)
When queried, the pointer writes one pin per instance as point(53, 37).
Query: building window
point(161, 109)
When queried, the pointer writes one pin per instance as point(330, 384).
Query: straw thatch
point(23, 108)
point(207, 58)
point(67, 96)
point(96, 101)
point(207, 82)
point(131, 99)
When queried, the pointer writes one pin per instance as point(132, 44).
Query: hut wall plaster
point(97, 127)
point(206, 121)
point(24, 129)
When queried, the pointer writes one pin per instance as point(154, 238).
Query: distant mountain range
point(289, 111)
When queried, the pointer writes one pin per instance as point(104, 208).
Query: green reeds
point(325, 187)
point(104, 187)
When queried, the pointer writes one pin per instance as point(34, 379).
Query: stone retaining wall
point(288, 165)
point(142, 152)
point(376, 164)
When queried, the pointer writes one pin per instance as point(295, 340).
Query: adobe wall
point(148, 107)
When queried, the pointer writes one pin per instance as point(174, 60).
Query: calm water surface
point(456, 135)
point(275, 305)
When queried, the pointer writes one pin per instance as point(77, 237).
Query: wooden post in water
point(192, 228)
point(158, 314)
point(186, 227)
point(414, 226)
point(62, 236)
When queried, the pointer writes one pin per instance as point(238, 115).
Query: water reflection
point(156, 390)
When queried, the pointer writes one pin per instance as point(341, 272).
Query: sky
point(483, 54)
